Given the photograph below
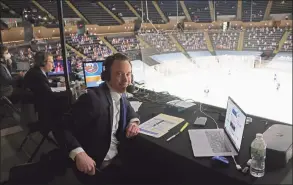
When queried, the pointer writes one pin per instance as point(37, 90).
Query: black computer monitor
point(92, 73)
point(59, 69)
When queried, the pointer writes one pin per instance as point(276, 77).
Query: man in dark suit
point(102, 119)
point(46, 101)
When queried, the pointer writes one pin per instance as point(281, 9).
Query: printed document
point(159, 125)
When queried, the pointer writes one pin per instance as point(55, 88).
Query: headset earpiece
point(105, 74)
point(40, 58)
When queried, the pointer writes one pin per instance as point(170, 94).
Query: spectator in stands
point(6, 79)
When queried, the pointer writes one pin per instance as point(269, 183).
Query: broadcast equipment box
point(279, 145)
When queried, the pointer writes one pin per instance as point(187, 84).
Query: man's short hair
point(2, 50)
point(117, 56)
point(41, 58)
point(106, 74)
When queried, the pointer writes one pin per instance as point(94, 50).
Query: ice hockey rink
point(253, 89)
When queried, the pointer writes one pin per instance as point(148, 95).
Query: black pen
point(158, 123)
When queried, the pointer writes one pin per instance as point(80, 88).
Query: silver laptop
point(220, 142)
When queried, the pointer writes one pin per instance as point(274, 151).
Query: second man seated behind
point(48, 103)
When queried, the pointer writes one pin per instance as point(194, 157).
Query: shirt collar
point(114, 95)
point(43, 72)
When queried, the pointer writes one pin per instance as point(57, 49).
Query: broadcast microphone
point(130, 88)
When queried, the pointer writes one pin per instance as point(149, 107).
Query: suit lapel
point(44, 76)
point(109, 99)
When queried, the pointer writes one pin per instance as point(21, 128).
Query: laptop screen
point(92, 73)
point(234, 123)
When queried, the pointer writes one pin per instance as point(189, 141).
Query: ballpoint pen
point(158, 123)
point(181, 130)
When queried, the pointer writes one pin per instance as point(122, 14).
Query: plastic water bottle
point(258, 156)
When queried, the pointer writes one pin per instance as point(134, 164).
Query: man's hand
point(85, 164)
point(21, 74)
point(132, 129)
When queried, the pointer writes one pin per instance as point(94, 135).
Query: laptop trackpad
point(202, 147)
point(200, 144)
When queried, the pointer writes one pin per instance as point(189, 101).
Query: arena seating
point(255, 39)
point(288, 43)
point(24, 53)
point(226, 7)
point(170, 8)
point(199, 10)
point(128, 45)
point(51, 7)
point(207, 50)
point(192, 41)
point(94, 13)
point(160, 41)
point(227, 40)
point(119, 8)
point(281, 6)
point(91, 46)
point(6, 14)
point(262, 39)
point(153, 15)
point(18, 6)
point(258, 10)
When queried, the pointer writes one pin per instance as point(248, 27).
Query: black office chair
point(2, 112)
point(33, 126)
point(9, 109)
point(52, 164)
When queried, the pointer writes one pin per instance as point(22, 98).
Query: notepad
point(58, 89)
point(159, 125)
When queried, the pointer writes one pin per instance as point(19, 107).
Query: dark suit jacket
point(91, 126)
point(46, 101)
point(6, 80)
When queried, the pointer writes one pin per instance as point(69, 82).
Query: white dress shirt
point(44, 73)
point(116, 118)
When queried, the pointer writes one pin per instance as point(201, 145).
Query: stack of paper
point(159, 125)
point(58, 89)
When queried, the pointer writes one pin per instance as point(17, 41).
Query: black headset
point(107, 64)
point(2, 49)
point(41, 58)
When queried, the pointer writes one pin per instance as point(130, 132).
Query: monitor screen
point(92, 73)
point(59, 69)
point(234, 123)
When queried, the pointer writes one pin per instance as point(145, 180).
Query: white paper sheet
point(159, 125)
point(58, 89)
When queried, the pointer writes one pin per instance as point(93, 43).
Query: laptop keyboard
point(217, 142)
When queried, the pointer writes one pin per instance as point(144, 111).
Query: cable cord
point(238, 167)
point(208, 115)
